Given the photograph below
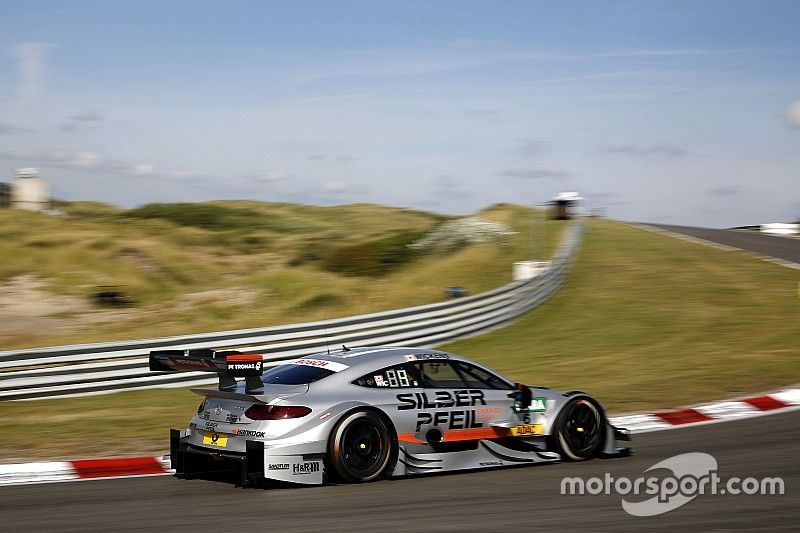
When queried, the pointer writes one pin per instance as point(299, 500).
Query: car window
point(394, 377)
point(439, 374)
point(294, 374)
point(478, 378)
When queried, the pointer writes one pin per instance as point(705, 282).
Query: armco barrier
point(82, 370)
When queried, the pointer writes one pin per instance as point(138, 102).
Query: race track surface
point(519, 499)
point(784, 248)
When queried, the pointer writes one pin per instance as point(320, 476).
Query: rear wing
point(228, 365)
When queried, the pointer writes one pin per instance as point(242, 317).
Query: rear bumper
point(192, 461)
point(256, 464)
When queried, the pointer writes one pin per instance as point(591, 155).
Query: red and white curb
point(64, 471)
point(60, 471)
point(766, 404)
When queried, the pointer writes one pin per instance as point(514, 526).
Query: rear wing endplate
point(228, 365)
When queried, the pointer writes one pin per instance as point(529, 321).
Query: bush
point(374, 258)
point(216, 217)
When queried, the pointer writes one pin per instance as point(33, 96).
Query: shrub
point(216, 217)
point(373, 258)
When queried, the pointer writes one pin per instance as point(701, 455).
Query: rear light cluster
point(275, 412)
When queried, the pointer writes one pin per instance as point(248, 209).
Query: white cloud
point(333, 186)
point(85, 160)
point(663, 150)
point(272, 175)
point(92, 162)
point(144, 170)
point(793, 114)
point(30, 60)
point(534, 172)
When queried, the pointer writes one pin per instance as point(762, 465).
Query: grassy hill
point(223, 265)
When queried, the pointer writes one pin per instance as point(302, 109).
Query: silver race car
point(362, 414)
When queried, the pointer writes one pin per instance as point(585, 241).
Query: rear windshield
point(294, 374)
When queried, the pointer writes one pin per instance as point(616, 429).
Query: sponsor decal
point(244, 366)
point(247, 433)
point(538, 404)
point(323, 416)
point(305, 468)
point(486, 414)
point(527, 430)
point(205, 415)
point(215, 439)
point(456, 419)
point(278, 466)
point(194, 362)
point(440, 399)
point(491, 463)
point(425, 356)
point(231, 419)
point(379, 381)
point(319, 363)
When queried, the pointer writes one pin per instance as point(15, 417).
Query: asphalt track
point(518, 499)
point(784, 248)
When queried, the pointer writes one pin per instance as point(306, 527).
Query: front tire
point(362, 447)
point(580, 430)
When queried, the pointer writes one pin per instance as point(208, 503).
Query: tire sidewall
point(387, 435)
point(560, 441)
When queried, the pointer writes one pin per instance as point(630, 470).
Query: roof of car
point(373, 356)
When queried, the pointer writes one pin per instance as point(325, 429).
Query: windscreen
point(294, 374)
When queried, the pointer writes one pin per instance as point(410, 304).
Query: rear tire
point(580, 430)
point(362, 447)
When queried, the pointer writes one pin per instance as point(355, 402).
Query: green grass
point(648, 321)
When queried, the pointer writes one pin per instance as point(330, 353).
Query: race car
point(362, 414)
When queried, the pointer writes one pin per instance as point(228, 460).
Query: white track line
point(725, 247)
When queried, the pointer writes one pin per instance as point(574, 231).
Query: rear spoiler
point(228, 365)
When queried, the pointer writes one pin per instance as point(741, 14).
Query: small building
point(565, 206)
point(5, 195)
point(29, 191)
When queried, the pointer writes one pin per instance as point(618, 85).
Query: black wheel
point(580, 430)
point(362, 447)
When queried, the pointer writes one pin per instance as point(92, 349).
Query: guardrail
point(82, 370)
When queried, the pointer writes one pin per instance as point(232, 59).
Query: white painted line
point(725, 247)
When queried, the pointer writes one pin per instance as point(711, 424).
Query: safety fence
point(82, 370)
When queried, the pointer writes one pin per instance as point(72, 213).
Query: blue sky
point(680, 112)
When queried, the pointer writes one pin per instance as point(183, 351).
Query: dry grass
point(242, 272)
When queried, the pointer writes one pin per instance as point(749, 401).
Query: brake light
point(201, 407)
point(275, 412)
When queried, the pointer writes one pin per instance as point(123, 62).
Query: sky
point(682, 112)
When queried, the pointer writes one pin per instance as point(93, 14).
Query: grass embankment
point(193, 268)
point(648, 321)
point(643, 321)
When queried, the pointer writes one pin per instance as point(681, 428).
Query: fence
point(82, 370)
